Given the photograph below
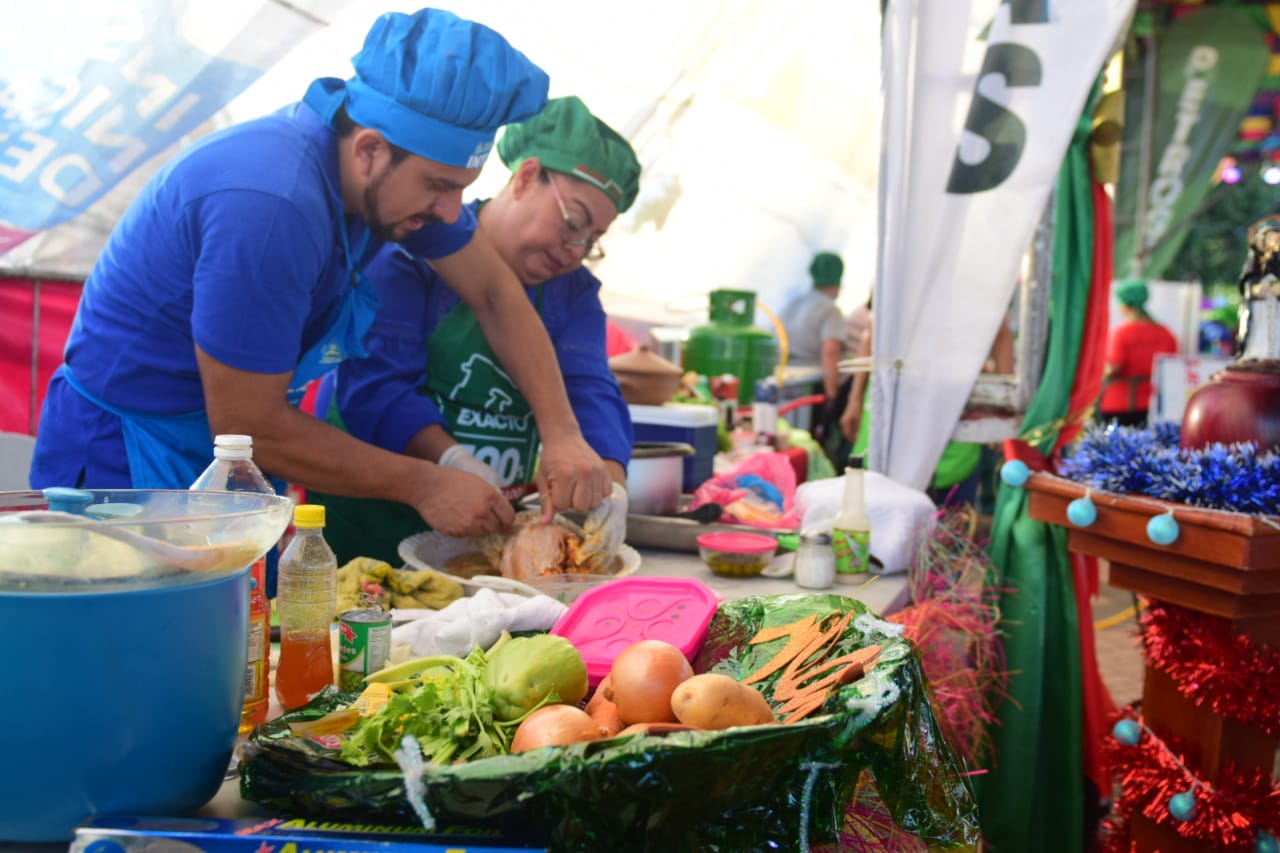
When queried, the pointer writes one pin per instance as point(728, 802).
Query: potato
point(714, 701)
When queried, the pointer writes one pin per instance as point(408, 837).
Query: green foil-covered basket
point(773, 787)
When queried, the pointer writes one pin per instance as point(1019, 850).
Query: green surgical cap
point(1132, 292)
point(826, 269)
point(567, 138)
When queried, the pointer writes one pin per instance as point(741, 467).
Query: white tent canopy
point(755, 122)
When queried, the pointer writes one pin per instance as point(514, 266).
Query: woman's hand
point(571, 476)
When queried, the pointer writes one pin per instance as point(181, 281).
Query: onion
point(555, 725)
point(603, 711)
point(642, 679)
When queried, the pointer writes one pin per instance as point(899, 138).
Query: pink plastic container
point(606, 619)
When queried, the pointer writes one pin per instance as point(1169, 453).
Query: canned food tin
point(364, 644)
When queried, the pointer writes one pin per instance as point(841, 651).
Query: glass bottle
point(233, 470)
point(851, 536)
point(306, 599)
point(815, 566)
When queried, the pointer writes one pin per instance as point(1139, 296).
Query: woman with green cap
point(432, 388)
point(1132, 347)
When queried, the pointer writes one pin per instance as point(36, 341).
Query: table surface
point(884, 594)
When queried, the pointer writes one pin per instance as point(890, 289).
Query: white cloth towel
point(900, 516)
point(476, 620)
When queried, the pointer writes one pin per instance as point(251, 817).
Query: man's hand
point(457, 457)
point(849, 421)
point(571, 477)
point(456, 503)
point(605, 526)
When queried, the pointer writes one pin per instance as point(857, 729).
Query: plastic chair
point(16, 450)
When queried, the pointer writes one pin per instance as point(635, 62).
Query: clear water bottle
point(233, 470)
point(306, 600)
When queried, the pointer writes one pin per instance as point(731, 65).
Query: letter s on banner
point(1004, 131)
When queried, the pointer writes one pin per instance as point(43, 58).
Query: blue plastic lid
point(65, 499)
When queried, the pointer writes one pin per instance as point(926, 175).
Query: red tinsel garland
point(1209, 665)
point(1229, 811)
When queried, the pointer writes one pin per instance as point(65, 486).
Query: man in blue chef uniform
point(237, 276)
point(571, 176)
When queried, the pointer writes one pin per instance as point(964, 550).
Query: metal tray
point(681, 534)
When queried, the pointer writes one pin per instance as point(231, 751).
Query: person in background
point(1132, 347)
point(571, 175)
point(814, 325)
point(957, 476)
point(857, 327)
point(236, 277)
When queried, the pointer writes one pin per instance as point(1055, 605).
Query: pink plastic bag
point(759, 491)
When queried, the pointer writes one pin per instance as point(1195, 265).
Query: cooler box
point(687, 422)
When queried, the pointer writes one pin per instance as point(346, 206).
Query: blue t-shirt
point(380, 397)
point(235, 246)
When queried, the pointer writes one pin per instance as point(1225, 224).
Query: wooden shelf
point(1222, 563)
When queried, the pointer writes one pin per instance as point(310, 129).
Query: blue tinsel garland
point(1148, 461)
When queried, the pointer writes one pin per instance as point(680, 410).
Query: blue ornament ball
point(1163, 529)
point(1127, 732)
point(1183, 806)
point(1265, 843)
point(1081, 512)
point(1014, 473)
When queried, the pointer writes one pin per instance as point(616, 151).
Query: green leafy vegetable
point(443, 703)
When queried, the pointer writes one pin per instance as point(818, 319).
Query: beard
point(389, 232)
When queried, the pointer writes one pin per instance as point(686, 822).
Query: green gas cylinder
point(730, 344)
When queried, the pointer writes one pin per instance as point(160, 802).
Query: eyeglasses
point(570, 231)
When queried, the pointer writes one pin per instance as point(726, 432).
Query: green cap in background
point(1132, 292)
point(567, 138)
point(827, 269)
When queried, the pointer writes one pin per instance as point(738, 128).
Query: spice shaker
point(815, 563)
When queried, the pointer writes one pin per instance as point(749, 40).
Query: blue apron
point(170, 451)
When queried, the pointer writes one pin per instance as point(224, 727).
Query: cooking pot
point(125, 676)
point(646, 378)
point(655, 475)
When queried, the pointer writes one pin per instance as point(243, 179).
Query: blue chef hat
point(436, 85)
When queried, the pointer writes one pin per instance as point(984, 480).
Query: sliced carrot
point(803, 633)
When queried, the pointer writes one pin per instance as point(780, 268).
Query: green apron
point(482, 410)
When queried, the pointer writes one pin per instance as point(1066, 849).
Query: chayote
point(523, 671)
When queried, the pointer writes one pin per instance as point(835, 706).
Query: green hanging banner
point(1208, 67)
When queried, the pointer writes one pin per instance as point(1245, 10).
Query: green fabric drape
point(1033, 797)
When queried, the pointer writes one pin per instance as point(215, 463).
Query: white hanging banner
point(981, 100)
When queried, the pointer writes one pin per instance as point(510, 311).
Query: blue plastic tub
point(123, 702)
point(123, 670)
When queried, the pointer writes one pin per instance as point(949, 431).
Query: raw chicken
point(530, 548)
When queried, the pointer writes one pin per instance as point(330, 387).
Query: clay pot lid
point(643, 361)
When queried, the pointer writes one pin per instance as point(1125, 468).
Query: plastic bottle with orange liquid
point(306, 599)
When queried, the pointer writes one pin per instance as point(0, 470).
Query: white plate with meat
point(531, 556)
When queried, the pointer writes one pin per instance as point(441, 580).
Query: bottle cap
point(66, 499)
point(233, 447)
point(815, 537)
point(308, 515)
point(855, 462)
